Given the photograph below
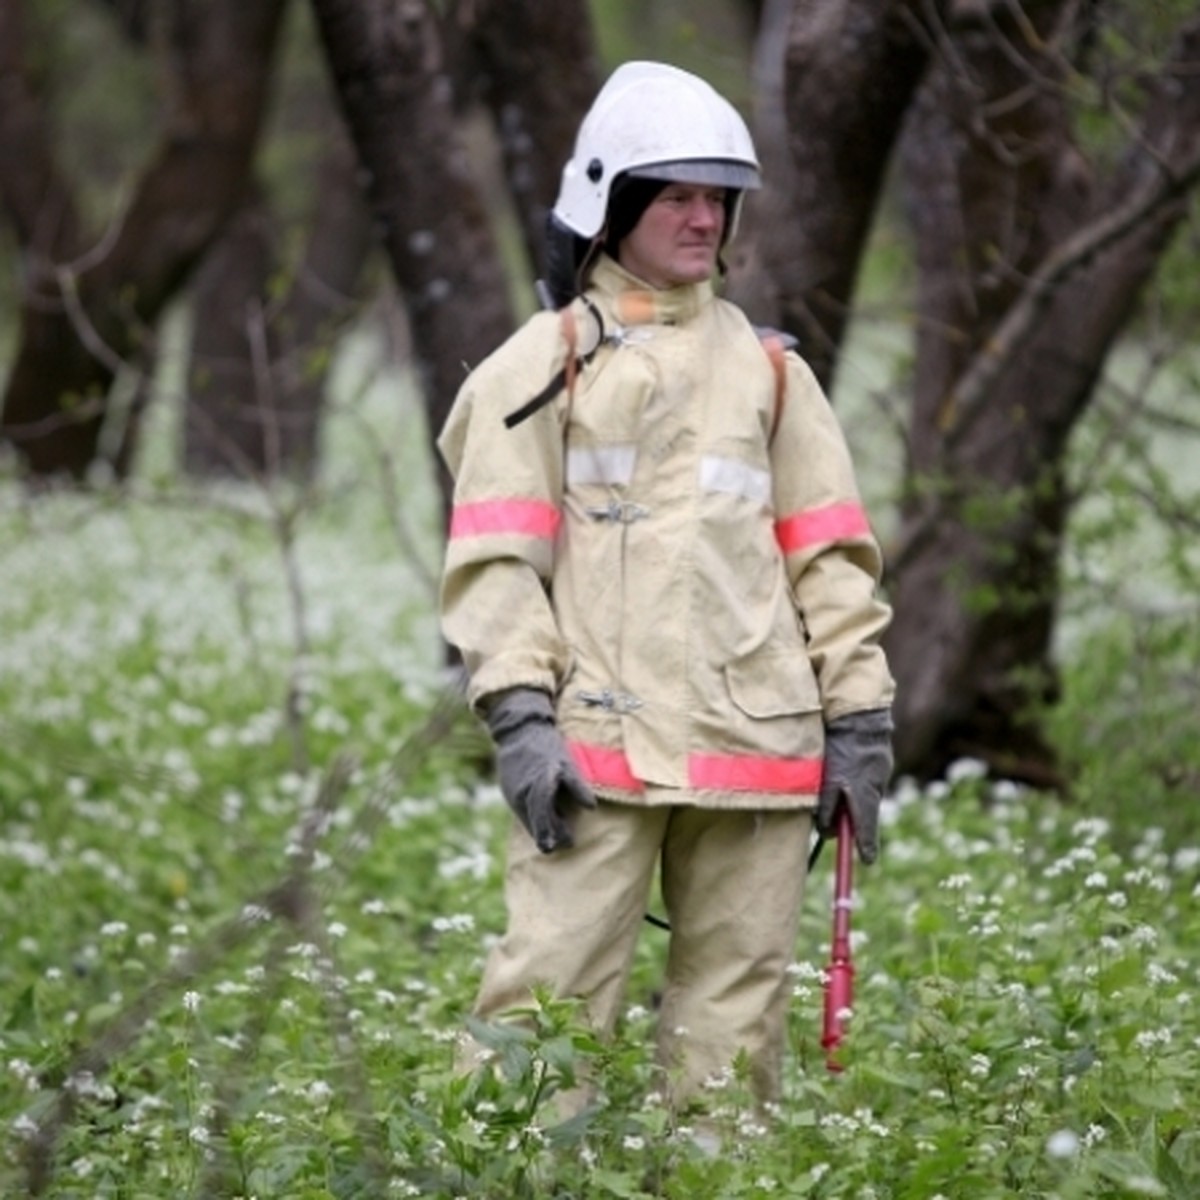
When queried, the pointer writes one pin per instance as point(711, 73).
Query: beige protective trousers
point(732, 883)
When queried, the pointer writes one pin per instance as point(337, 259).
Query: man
point(663, 586)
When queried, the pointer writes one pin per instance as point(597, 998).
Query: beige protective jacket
point(674, 548)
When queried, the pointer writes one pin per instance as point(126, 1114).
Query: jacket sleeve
point(504, 524)
point(833, 561)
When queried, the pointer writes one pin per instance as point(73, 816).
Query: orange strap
point(774, 346)
point(570, 332)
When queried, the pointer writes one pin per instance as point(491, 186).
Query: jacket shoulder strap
point(776, 345)
point(563, 378)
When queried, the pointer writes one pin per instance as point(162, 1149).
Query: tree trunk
point(1029, 271)
point(232, 423)
point(766, 217)
point(256, 378)
point(535, 67)
point(389, 70)
point(86, 314)
point(324, 294)
point(850, 68)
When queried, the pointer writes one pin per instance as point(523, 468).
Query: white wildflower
point(806, 970)
point(719, 1080)
point(1090, 829)
point(1143, 1185)
point(1064, 1143)
point(25, 1127)
point(965, 769)
point(1187, 858)
point(456, 923)
point(1149, 1039)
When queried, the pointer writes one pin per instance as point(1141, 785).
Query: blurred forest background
point(992, 202)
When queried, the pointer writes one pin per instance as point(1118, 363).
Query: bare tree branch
point(218, 57)
point(971, 393)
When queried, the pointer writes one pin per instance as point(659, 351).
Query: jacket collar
point(634, 302)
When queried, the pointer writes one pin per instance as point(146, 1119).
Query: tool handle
point(843, 884)
point(839, 976)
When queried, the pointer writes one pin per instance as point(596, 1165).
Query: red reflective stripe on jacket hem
point(750, 773)
point(534, 518)
point(817, 525)
point(604, 767)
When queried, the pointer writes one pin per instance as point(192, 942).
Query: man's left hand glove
point(858, 766)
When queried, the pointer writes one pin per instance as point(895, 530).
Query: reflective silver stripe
point(601, 464)
point(734, 478)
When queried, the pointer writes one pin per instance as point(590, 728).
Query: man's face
point(678, 237)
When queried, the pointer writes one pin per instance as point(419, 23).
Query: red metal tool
point(839, 976)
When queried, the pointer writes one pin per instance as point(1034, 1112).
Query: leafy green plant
point(227, 975)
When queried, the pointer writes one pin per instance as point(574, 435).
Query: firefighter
point(664, 589)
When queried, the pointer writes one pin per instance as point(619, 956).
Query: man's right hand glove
point(858, 765)
point(537, 775)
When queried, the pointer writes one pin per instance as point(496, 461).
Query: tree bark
point(535, 67)
point(257, 371)
point(37, 197)
point(849, 70)
point(388, 63)
point(232, 419)
point(86, 313)
point(1030, 268)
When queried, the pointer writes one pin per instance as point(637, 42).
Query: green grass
point(249, 869)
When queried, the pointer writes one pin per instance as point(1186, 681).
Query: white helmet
point(658, 122)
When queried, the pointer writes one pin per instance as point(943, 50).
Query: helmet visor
point(714, 172)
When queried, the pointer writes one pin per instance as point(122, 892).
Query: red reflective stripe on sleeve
point(604, 767)
point(816, 525)
point(534, 518)
point(750, 773)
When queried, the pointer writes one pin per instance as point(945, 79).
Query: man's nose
point(705, 213)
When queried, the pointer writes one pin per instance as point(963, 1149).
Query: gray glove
point(537, 775)
point(858, 765)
